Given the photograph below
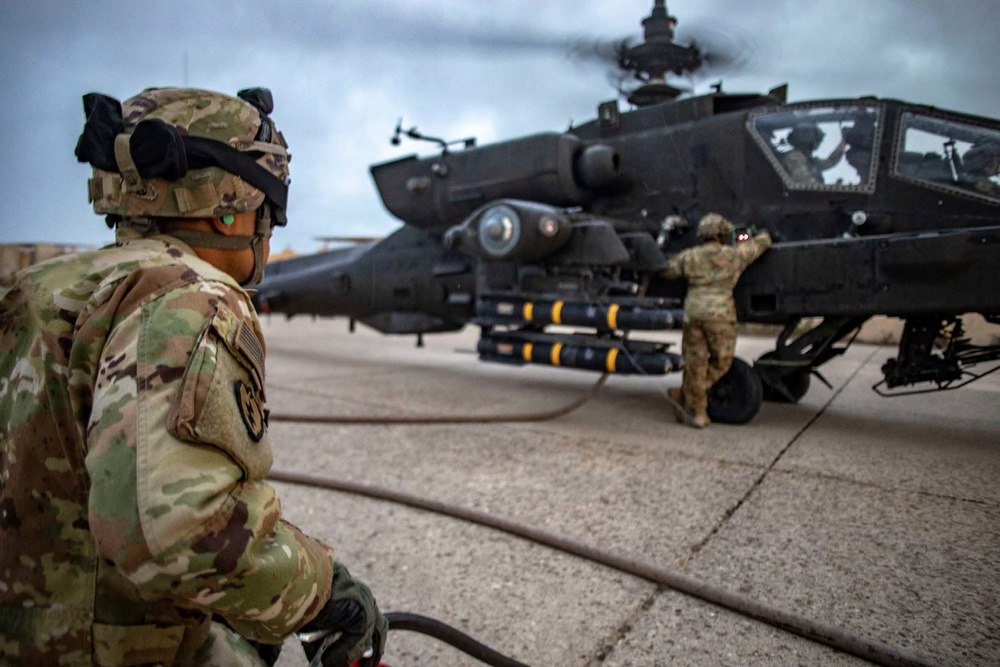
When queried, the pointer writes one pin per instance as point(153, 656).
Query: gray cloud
point(344, 71)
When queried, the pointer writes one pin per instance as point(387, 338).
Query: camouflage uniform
point(982, 165)
point(709, 341)
point(800, 163)
point(809, 169)
point(134, 446)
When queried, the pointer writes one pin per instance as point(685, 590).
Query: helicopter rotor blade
point(717, 52)
point(722, 51)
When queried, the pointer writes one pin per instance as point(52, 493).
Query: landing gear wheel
point(787, 388)
point(736, 397)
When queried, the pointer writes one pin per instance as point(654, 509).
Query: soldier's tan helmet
point(714, 226)
point(983, 158)
point(205, 189)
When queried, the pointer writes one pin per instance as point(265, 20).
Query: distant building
point(17, 256)
point(287, 253)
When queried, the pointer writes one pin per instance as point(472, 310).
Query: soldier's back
point(54, 322)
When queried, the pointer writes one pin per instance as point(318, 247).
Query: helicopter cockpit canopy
point(949, 154)
point(821, 147)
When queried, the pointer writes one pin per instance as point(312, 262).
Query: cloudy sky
point(343, 71)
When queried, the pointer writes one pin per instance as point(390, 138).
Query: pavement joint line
point(874, 485)
point(728, 514)
point(606, 647)
point(816, 631)
point(622, 631)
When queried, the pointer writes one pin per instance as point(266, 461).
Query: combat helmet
point(713, 227)
point(172, 153)
point(806, 136)
point(980, 157)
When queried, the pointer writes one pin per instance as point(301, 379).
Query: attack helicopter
point(552, 243)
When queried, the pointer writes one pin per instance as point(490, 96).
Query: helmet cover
point(806, 136)
point(714, 227)
point(981, 157)
point(198, 188)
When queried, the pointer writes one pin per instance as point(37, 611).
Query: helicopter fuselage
point(876, 206)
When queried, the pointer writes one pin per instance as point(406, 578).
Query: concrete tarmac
point(880, 516)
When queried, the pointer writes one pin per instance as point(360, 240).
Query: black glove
point(352, 622)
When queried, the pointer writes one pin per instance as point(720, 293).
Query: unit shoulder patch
point(251, 409)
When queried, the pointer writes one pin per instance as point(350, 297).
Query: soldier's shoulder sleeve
point(749, 251)
point(763, 241)
point(222, 397)
point(194, 478)
point(797, 166)
point(676, 265)
point(831, 160)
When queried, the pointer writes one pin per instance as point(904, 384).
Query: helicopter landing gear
point(786, 371)
point(788, 386)
point(736, 397)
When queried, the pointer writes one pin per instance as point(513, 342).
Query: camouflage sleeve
point(177, 454)
point(749, 251)
point(797, 166)
point(831, 160)
point(675, 267)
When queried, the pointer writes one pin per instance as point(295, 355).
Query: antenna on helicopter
point(413, 133)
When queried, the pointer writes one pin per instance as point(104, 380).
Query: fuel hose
point(455, 638)
point(822, 633)
point(379, 420)
point(836, 638)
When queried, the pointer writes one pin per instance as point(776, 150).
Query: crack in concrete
point(885, 489)
point(728, 514)
point(626, 627)
point(607, 646)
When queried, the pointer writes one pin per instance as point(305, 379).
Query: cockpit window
point(949, 154)
point(821, 148)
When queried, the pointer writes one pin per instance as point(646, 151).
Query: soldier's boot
point(676, 400)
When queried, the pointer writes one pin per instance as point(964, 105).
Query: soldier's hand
point(349, 627)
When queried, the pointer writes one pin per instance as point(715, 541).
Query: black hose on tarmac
point(449, 635)
point(828, 635)
point(379, 420)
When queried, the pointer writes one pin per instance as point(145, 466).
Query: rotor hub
point(651, 60)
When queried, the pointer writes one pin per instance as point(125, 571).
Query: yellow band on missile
point(612, 358)
point(554, 355)
point(613, 316)
point(528, 311)
point(526, 351)
point(557, 312)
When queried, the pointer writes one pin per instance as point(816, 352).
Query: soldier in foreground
point(135, 523)
point(709, 342)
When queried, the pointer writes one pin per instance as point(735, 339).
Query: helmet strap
point(265, 223)
point(258, 262)
point(262, 231)
point(198, 239)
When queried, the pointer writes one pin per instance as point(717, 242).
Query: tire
point(787, 388)
point(736, 397)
